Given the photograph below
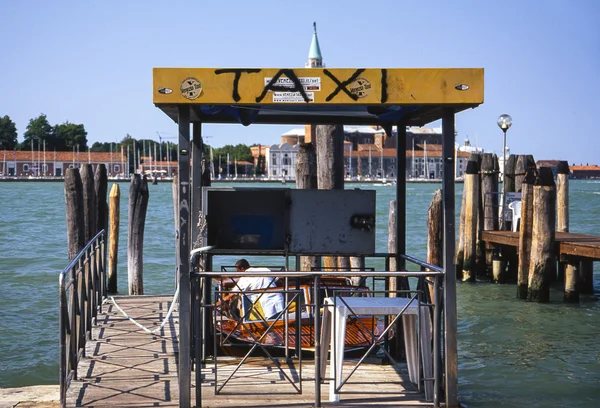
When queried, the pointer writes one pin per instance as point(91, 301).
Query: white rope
point(112, 299)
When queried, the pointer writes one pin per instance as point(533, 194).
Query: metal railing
point(82, 288)
point(430, 275)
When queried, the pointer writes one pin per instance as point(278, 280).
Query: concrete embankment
point(37, 396)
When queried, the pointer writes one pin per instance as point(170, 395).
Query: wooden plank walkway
point(127, 367)
point(566, 243)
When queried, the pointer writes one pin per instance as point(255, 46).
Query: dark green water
point(511, 353)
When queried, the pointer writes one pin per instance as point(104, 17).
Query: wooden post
point(544, 213)
point(509, 176)
point(306, 178)
point(489, 198)
point(101, 189)
point(525, 232)
point(480, 254)
point(459, 259)
point(113, 248)
point(330, 166)
point(471, 186)
point(74, 209)
point(435, 234)
point(586, 276)
point(90, 213)
point(138, 204)
point(571, 293)
point(562, 209)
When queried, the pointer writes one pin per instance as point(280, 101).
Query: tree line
point(70, 136)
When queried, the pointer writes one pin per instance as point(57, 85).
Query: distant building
point(585, 171)
point(281, 161)
point(22, 163)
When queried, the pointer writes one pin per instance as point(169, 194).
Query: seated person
point(271, 302)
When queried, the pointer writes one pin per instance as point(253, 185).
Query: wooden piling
point(480, 254)
point(399, 283)
point(138, 205)
point(586, 276)
point(562, 208)
point(571, 292)
point(471, 191)
point(435, 233)
point(509, 174)
point(74, 210)
point(90, 213)
point(101, 189)
point(113, 246)
point(489, 198)
point(525, 232)
point(459, 259)
point(330, 166)
point(544, 213)
point(306, 178)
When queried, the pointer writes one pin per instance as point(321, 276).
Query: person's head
point(241, 265)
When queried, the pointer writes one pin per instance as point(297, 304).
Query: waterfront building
point(23, 163)
point(281, 161)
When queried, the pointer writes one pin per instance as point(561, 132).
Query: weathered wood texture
point(571, 292)
point(101, 189)
point(126, 367)
point(113, 245)
point(523, 163)
point(90, 212)
point(509, 176)
point(471, 191)
point(525, 232)
point(330, 166)
point(565, 243)
point(480, 254)
point(542, 236)
point(489, 197)
point(562, 197)
point(138, 205)
point(460, 247)
point(435, 234)
point(562, 208)
point(306, 178)
point(74, 211)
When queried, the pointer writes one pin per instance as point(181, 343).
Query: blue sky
point(91, 62)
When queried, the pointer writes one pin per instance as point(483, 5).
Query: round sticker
point(191, 88)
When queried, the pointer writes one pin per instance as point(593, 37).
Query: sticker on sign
point(308, 83)
point(292, 97)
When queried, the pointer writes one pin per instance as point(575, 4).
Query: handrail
point(82, 288)
point(435, 275)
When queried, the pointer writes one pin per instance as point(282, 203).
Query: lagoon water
point(511, 353)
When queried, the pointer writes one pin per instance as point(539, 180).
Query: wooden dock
point(565, 243)
point(127, 367)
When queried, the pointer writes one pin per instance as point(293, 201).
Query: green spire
point(315, 50)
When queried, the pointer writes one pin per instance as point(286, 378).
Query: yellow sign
point(368, 86)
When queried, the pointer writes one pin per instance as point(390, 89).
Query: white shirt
point(271, 303)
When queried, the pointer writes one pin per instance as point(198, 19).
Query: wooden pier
point(125, 366)
point(565, 243)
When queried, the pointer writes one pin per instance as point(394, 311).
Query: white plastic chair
point(515, 207)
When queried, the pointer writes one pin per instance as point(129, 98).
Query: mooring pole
point(183, 263)
point(450, 342)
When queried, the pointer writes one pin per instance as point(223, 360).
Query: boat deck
point(127, 367)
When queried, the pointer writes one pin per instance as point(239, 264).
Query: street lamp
point(504, 122)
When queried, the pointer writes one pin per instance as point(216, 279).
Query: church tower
point(315, 59)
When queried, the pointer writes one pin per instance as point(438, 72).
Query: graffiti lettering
point(384, 95)
point(236, 79)
point(292, 77)
point(341, 86)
